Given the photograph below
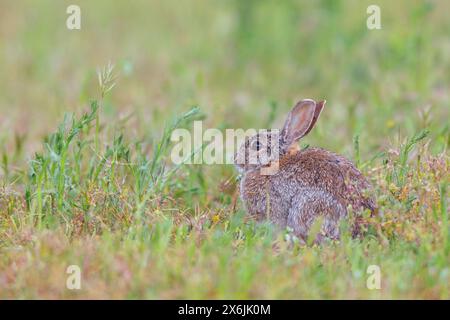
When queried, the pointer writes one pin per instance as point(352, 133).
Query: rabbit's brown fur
point(309, 183)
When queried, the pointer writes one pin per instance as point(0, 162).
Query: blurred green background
point(243, 62)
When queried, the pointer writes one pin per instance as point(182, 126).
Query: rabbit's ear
point(300, 121)
point(317, 111)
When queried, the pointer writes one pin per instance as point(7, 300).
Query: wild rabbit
point(293, 187)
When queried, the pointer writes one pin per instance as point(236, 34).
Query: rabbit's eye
point(256, 145)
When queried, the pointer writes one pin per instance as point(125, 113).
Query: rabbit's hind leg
point(310, 204)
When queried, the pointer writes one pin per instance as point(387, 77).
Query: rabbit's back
point(321, 169)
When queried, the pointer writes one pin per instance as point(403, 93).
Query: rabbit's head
point(266, 147)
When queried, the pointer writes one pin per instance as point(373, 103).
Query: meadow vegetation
point(85, 171)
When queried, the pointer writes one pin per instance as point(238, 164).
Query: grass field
point(85, 172)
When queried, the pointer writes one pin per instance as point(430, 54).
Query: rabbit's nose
point(240, 169)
